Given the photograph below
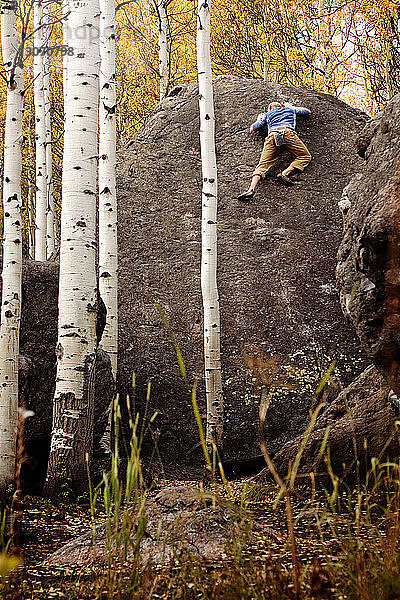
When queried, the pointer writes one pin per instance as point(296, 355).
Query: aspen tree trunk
point(390, 88)
point(65, 26)
point(163, 59)
point(31, 206)
point(31, 214)
point(72, 433)
point(40, 136)
point(267, 51)
point(50, 233)
point(215, 409)
point(12, 245)
point(323, 8)
point(50, 220)
point(281, 11)
point(108, 251)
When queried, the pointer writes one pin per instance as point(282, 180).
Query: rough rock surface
point(179, 520)
point(276, 259)
point(369, 255)
point(38, 368)
point(361, 426)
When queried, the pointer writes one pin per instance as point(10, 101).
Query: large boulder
point(357, 426)
point(276, 269)
point(38, 368)
point(369, 255)
point(177, 521)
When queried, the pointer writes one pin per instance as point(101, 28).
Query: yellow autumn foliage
point(8, 564)
point(346, 48)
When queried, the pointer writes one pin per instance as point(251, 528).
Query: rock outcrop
point(360, 423)
point(276, 261)
point(38, 368)
point(178, 521)
point(369, 255)
point(356, 427)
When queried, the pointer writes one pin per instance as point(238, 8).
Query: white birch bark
point(215, 410)
point(31, 214)
point(65, 26)
point(163, 56)
point(40, 135)
point(108, 251)
point(72, 432)
point(50, 233)
point(322, 38)
point(108, 255)
point(50, 219)
point(12, 245)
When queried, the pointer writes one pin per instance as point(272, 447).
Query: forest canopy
point(348, 48)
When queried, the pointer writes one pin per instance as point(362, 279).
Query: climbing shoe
point(246, 196)
point(285, 179)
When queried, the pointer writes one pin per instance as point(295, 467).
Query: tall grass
point(352, 532)
point(356, 530)
point(122, 497)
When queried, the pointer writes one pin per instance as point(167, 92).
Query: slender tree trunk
point(108, 259)
point(323, 25)
point(65, 26)
point(50, 232)
point(390, 87)
point(40, 136)
point(72, 433)
point(12, 245)
point(65, 29)
point(108, 251)
point(163, 56)
point(31, 214)
point(215, 409)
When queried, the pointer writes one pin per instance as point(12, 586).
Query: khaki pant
point(271, 153)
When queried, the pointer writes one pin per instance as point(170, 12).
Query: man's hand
point(251, 129)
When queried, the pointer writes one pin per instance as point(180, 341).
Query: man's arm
point(299, 110)
point(261, 122)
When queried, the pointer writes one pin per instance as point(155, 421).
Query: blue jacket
point(283, 116)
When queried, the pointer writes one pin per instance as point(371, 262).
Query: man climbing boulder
point(280, 119)
point(276, 264)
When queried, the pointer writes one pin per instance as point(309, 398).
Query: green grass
point(347, 544)
point(339, 543)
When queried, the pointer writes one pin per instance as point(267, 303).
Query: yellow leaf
point(9, 564)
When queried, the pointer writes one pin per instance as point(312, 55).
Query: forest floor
point(343, 552)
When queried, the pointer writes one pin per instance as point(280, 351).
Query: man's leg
point(269, 157)
point(254, 182)
point(289, 171)
point(300, 151)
